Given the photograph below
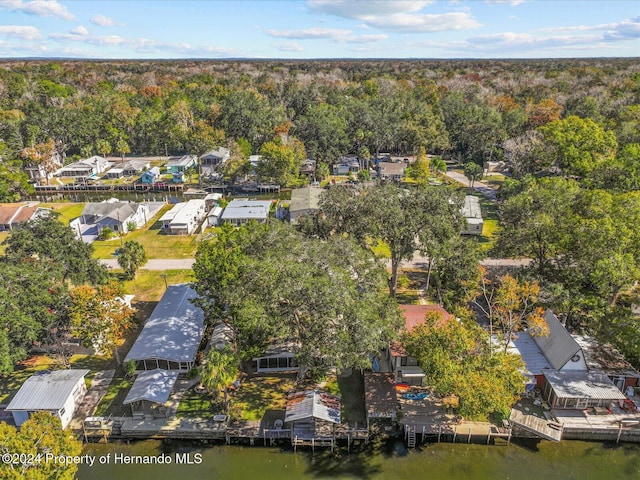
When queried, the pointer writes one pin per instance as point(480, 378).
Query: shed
point(303, 202)
point(312, 415)
point(150, 392)
point(58, 392)
point(579, 390)
point(171, 337)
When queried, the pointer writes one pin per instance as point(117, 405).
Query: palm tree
point(219, 371)
point(131, 257)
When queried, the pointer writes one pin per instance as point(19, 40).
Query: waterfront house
point(303, 202)
point(13, 215)
point(392, 172)
point(171, 336)
point(277, 358)
point(85, 168)
point(405, 367)
point(135, 166)
point(177, 177)
point(58, 392)
point(115, 173)
point(346, 165)
point(181, 164)
point(184, 218)
point(150, 176)
point(150, 392)
point(243, 210)
point(472, 213)
point(212, 200)
point(213, 159)
point(579, 390)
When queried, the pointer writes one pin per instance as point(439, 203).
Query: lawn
point(67, 211)
point(156, 243)
point(193, 404)
point(111, 403)
point(3, 237)
point(258, 394)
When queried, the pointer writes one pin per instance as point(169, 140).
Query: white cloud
point(510, 2)
point(39, 8)
point(103, 21)
point(79, 30)
point(309, 33)
point(357, 9)
point(626, 28)
point(288, 47)
point(23, 32)
point(363, 38)
point(397, 16)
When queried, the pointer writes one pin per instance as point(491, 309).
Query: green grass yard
point(259, 393)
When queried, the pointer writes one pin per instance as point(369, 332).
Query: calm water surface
point(535, 461)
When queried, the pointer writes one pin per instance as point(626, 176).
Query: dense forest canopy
point(469, 108)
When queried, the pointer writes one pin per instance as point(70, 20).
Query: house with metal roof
point(150, 392)
point(579, 390)
point(243, 210)
point(85, 168)
point(150, 176)
point(58, 392)
point(171, 336)
point(184, 218)
point(312, 416)
point(135, 166)
point(181, 164)
point(215, 157)
point(472, 212)
point(303, 202)
point(559, 347)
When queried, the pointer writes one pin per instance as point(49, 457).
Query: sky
point(308, 29)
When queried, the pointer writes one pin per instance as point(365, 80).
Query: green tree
point(579, 145)
point(219, 371)
point(13, 183)
point(47, 242)
point(41, 435)
point(456, 358)
point(281, 162)
point(100, 316)
point(123, 148)
point(103, 147)
point(421, 169)
point(131, 257)
point(473, 172)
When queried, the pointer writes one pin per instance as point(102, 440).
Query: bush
point(106, 234)
point(129, 368)
point(131, 226)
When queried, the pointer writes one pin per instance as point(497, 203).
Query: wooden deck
point(543, 428)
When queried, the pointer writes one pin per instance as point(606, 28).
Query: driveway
point(156, 264)
point(479, 187)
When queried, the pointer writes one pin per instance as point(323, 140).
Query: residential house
point(579, 390)
point(181, 164)
point(87, 167)
point(404, 367)
point(277, 358)
point(473, 215)
point(150, 176)
point(114, 214)
point(347, 164)
point(58, 392)
point(243, 210)
point(115, 173)
point(15, 214)
point(177, 177)
point(172, 334)
point(303, 202)
point(184, 218)
point(215, 158)
point(135, 166)
point(392, 172)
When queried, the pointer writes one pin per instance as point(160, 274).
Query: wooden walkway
point(541, 427)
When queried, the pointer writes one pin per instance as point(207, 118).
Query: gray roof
point(182, 161)
point(471, 207)
point(312, 403)
point(174, 329)
point(307, 198)
point(583, 384)
point(46, 390)
point(243, 208)
point(534, 360)
point(153, 386)
point(220, 152)
point(559, 346)
point(117, 211)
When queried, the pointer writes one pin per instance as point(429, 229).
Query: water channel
point(390, 461)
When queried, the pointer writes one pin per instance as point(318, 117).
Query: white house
point(59, 392)
point(114, 214)
point(242, 210)
point(85, 168)
point(473, 215)
point(184, 218)
point(181, 164)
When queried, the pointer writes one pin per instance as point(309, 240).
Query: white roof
point(182, 212)
point(174, 329)
point(471, 207)
point(46, 390)
point(153, 386)
point(213, 196)
point(243, 208)
point(534, 360)
point(312, 403)
point(581, 384)
point(181, 162)
point(215, 212)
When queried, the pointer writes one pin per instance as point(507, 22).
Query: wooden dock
point(546, 429)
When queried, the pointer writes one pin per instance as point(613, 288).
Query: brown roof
point(414, 315)
point(25, 214)
point(387, 168)
point(7, 211)
point(16, 213)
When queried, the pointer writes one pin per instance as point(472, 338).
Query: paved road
point(479, 187)
point(421, 262)
point(157, 264)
